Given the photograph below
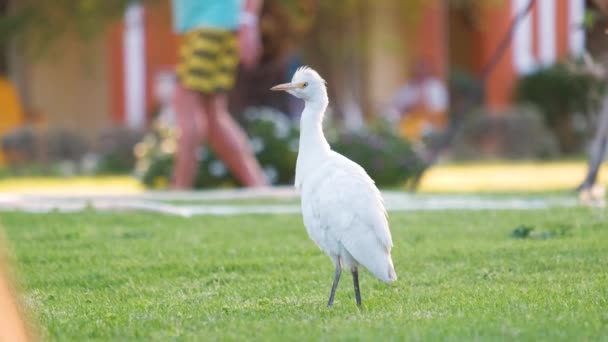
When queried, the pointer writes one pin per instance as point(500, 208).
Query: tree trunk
point(336, 48)
point(468, 101)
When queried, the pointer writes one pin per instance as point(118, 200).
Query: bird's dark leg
point(330, 302)
point(356, 284)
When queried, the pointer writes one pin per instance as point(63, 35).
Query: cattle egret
point(342, 209)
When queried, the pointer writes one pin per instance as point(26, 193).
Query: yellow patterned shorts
point(207, 60)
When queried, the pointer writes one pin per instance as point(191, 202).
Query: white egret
point(342, 209)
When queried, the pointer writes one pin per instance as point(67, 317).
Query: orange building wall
point(117, 70)
point(431, 41)
point(496, 23)
point(431, 37)
point(161, 45)
point(562, 27)
point(160, 54)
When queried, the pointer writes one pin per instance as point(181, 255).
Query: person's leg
point(192, 128)
point(230, 142)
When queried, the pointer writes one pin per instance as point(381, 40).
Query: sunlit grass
point(75, 185)
point(462, 276)
point(494, 177)
point(507, 177)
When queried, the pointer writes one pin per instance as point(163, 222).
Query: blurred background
point(447, 96)
point(424, 94)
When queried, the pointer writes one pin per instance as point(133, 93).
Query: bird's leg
point(355, 273)
point(330, 302)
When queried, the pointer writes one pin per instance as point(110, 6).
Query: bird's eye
point(305, 84)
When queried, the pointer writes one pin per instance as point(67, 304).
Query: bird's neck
point(312, 139)
point(313, 148)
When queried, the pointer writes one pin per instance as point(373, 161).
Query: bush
point(115, 150)
point(272, 136)
point(31, 151)
point(560, 93)
point(66, 152)
point(274, 139)
point(388, 158)
point(520, 134)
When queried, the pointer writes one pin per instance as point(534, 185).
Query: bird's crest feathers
point(307, 72)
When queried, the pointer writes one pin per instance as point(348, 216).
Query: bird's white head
point(305, 84)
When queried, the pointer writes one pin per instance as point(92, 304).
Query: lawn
point(462, 276)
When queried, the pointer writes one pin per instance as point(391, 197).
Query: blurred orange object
point(12, 111)
point(415, 124)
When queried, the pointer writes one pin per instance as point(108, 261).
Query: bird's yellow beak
point(287, 86)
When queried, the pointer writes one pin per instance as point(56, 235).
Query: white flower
point(168, 146)
point(251, 114)
point(281, 128)
point(264, 114)
point(267, 116)
point(257, 144)
point(217, 168)
point(271, 174)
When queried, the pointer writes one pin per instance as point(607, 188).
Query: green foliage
point(273, 138)
point(143, 277)
point(465, 86)
point(522, 232)
point(45, 21)
point(388, 158)
point(528, 232)
point(560, 91)
point(520, 134)
point(115, 150)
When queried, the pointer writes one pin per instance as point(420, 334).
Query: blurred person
point(251, 88)
point(12, 325)
point(215, 35)
point(420, 106)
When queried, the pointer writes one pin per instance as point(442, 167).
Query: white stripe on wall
point(135, 67)
point(546, 34)
point(575, 27)
point(523, 58)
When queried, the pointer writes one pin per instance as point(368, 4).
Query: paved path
point(168, 202)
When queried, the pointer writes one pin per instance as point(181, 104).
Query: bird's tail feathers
point(392, 275)
point(384, 271)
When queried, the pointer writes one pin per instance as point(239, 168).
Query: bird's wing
point(349, 204)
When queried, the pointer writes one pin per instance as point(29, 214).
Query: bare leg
point(332, 294)
point(12, 327)
point(191, 131)
point(355, 273)
point(230, 142)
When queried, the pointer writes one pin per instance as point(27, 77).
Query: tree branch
point(505, 42)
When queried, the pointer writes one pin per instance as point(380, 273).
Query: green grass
point(462, 277)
